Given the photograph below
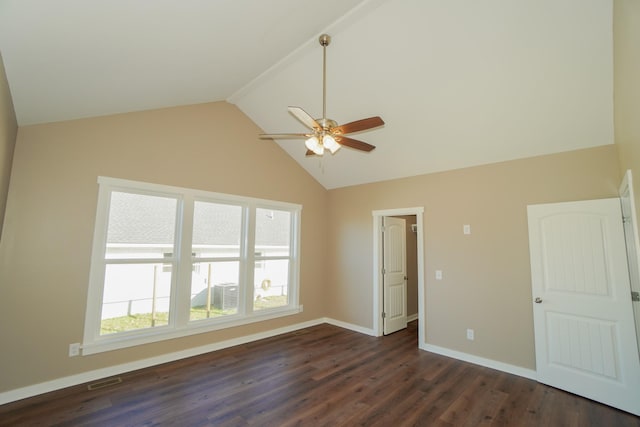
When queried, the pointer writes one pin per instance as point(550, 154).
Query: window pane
point(271, 286)
point(214, 289)
point(216, 230)
point(273, 230)
point(140, 226)
point(135, 296)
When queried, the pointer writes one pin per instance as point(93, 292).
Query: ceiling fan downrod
point(324, 40)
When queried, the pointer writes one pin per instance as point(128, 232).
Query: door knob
point(538, 300)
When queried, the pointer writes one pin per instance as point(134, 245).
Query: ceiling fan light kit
point(318, 146)
point(326, 133)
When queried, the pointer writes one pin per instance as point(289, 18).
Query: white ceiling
point(458, 82)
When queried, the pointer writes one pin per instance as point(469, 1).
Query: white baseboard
point(412, 317)
point(60, 383)
point(465, 357)
point(350, 326)
point(476, 360)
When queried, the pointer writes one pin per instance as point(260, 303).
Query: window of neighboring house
point(170, 262)
point(167, 267)
point(259, 264)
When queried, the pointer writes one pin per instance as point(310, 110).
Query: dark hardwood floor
point(320, 376)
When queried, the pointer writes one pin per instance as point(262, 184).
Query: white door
point(394, 274)
point(584, 332)
point(631, 239)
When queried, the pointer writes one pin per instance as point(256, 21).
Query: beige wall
point(8, 132)
point(626, 32)
point(45, 253)
point(486, 276)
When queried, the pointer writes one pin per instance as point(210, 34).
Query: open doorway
point(415, 301)
point(412, 266)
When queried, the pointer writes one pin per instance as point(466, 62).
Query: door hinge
point(635, 296)
point(383, 271)
point(384, 315)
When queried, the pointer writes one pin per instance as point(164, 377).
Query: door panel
point(394, 275)
point(571, 338)
point(584, 332)
point(574, 261)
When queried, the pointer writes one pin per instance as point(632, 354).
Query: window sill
point(116, 343)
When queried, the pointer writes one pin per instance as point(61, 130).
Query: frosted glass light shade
point(330, 143)
point(314, 145)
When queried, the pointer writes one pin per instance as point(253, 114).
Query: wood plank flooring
point(320, 376)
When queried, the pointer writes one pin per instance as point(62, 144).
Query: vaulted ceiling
point(458, 82)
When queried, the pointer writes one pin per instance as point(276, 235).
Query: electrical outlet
point(466, 229)
point(470, 334)
point(74, 349)
point(438, 274)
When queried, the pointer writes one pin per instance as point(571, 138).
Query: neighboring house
point(144, 228)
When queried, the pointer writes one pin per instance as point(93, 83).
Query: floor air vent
point(104, 383)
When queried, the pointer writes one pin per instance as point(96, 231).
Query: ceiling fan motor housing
point(327, 124)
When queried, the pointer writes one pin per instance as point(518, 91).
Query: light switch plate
point(438, 274)
point(466, 229)
point(74, 349)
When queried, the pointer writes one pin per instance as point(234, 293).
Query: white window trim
point(179, 325)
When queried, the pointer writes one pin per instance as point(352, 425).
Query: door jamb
point(377, 269)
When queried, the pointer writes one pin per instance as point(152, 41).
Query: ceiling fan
point(326, 133)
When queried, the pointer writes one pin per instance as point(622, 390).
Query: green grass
point(270, 302)
point(143, 320)
point(133, 322)
point(200, 312)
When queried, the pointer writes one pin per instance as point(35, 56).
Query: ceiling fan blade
point(354, 143)
point(304, 118)
point(359, 125)
point(283, 136)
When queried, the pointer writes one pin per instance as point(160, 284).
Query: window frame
point(179, 324)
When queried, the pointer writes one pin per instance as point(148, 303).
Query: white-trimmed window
point(170, 262)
